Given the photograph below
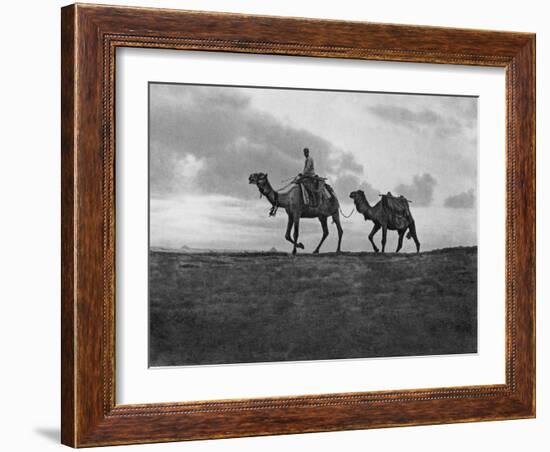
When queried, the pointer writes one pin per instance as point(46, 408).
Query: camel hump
point(330, 190)
point(395, 204)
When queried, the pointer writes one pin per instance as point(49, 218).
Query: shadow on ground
point(52, 434)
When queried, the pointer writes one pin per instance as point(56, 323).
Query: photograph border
point(285, 88)
point(90, 35)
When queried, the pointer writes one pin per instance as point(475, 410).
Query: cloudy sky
point(206, 140)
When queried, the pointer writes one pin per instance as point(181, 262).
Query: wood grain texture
point(67, 226)
point(90, 36)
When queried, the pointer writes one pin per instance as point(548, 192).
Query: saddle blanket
point(397, 209)
point(324, 194)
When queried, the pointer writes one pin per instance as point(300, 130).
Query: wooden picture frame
point(90, 35)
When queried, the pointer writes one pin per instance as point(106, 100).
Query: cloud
point(344, 185)
point(464, 200)
point(405, 116)
point(208, 140)
point(449, 128)
point(346, 162)
point(347, 176)
point(453, 116)
point(420, 191)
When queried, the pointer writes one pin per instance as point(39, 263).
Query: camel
point(293, 203)
point(378, 215)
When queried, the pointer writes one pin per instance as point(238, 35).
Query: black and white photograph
point(298, 224)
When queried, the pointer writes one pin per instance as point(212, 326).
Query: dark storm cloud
point(464, 200)
point(420, 191)
point(346, 162)
point(453, 119)
point(228, 139)
point(219, 99)
point(405, 116)
point(347, 176)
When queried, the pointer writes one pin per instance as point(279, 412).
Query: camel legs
point(384, 234)
point(296, 234)
point(375, 229)
point(323, 221)
point(412, 233)
point(336, 219)
point(401, 233)
point(289, 229)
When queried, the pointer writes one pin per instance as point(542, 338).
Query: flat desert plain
point(243, 307)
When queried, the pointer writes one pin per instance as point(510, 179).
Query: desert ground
point(237, 307)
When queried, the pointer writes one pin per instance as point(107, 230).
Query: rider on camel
point(309, 178)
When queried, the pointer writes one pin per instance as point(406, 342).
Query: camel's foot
point(300, 245)
point(316, 251)
point(294, 252)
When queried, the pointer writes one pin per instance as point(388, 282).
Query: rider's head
point(306, 152)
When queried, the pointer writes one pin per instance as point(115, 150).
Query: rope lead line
point(347, 216)
point(286, 186)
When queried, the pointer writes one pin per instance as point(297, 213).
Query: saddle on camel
point(397, 209)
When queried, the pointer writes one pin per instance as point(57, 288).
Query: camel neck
point(364, 207)
point(271, 195)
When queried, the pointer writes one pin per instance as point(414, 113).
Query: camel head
point(357, 195)
point(259, 179)
point(361, 202)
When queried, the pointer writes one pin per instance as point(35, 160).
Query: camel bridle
point(262, 183)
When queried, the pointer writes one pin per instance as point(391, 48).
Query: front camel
point(293, 203)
